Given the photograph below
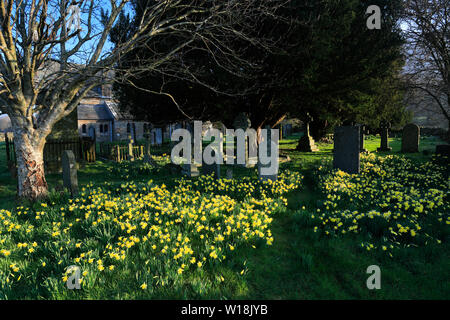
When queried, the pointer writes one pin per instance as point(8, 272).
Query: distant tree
point(427, 30)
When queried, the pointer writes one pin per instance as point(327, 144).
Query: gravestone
point(268, 142)
point(214, 151)
point(147, 150)
point(243, 122)
point(130, 148)
point(69, 169)
point(443, 150)
point(306, 143)
point(361, 139)
point(384, 145)
point(158, 136)
point(411, 138)
point(208, 169)
point(190, 170)
point(346, 155)
point(287, 130)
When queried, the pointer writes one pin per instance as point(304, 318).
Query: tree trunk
point(30, 166)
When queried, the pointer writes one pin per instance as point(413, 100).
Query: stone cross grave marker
point(346, 155)
point(384, 145)
point(306, 143)
point(69, 169)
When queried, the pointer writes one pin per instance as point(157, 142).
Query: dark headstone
point(190, 170)
point(287, 130)
point(208, 169)
point(443, 150)
point(69, 169)
point(242, 121)
point(264, 176)
point(411, 138)
point(346, 155)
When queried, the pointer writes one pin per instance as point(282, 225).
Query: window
point(145, 127)
point(101, 128)
point(83, 128)
point(128, 128)
point(98, 90)
point(105, 128)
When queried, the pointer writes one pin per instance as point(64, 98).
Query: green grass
point(301, 264)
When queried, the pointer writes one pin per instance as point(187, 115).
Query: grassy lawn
point(285, 249)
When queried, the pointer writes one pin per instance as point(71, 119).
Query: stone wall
point(121, 131)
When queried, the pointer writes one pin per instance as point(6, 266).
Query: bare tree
point(427, 29)
point(49, 60)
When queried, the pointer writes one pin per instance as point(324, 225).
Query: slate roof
point(118, 113)
point(94, 112)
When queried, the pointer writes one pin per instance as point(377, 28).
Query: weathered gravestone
point(214, 153)
point(208, 169)
point(287, 130)
point(243, 122)
point(346, 155)
point(268, 171)
point(190, 170)
point(384, 145)
point(189, 166)
point(361, 139)
point(130, 148)
point(411, 138)
point(69, 169)
point(147, 150)
point(443, 150)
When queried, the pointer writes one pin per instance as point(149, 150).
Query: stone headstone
point(147, 150)
point(229, 173)
point(287, 130)
point(268, 142)
point(346, 155)
point(306, 143)
point(443, 150)
point(208, 169)
point(130, 148)
point(384, 145)
point(242, 121)
point(158, 136)
point(411, 138)
point(190, 170)
point(69, 169)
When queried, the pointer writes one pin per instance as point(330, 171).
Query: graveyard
point(144, 231)
point(239, 157)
